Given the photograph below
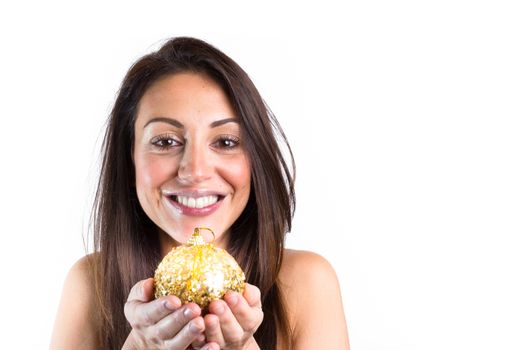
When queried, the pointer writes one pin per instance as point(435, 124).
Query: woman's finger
point(139, 311)
point(252, 294)
point(213, 329)
point(142, 290)
point(232, 331)
point(199, 342)
point(172, 324)
point(248, 317)
point(147, 314)
point(210, 346)
point(191, 332)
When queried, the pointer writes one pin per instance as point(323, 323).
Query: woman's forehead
point(187, 98)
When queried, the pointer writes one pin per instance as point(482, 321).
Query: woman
point(191, 143)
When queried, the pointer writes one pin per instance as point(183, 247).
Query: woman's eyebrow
point(178, 124)
point(223, 121)
point(171, 121)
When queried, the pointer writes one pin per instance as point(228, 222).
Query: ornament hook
point(196, 232)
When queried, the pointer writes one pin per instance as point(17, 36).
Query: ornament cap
point(197, 239)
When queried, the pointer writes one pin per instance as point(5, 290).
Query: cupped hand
point(162, 323)
point(232, 322)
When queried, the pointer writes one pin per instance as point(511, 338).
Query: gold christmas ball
point(198, 272)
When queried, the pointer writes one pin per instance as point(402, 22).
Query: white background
point(406, 119)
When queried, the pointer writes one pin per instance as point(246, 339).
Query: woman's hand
point(232, 322)
point(162, 323)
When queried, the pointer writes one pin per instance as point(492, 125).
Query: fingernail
point(187, 312)
point(194, 328)
point(169, 305)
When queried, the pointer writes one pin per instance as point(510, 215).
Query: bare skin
point(309, 284)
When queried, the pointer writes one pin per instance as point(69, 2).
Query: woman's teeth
point(199, 202)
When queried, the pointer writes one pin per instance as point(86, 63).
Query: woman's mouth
point(196, 206)
point(199, 202)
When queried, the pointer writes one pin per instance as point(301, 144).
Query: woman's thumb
point(142, 291)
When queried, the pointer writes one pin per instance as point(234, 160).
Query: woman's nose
point(194, 166)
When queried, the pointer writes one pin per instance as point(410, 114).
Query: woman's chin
point(181, 235)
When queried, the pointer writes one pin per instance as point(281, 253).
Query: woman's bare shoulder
point(75, 323)
point(304, 273)
point(80, 278)
point(302, 268)
point(83, 267)
point(296, 260)
point(313, 297)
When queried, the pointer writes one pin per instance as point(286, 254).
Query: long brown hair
point(127, 241)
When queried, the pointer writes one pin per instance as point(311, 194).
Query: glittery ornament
point(198, 272)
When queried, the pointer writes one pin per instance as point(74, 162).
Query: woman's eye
point(227, 142)
point(165, 142)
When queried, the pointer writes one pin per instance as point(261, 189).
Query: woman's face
point(190, 163)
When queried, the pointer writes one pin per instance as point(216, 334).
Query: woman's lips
point(190, 211)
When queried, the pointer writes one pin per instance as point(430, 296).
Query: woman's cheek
point(237, 172)
point(153, 171)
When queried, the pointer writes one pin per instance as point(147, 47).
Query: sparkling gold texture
point(198, 272)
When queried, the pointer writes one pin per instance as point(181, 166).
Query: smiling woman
point(190, 143)
point(191, 168)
